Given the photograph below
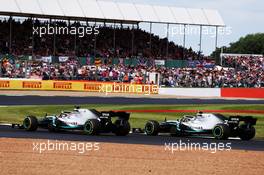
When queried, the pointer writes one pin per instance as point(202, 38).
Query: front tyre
point(152, 128)
point(122, 127)
point(221, 131)
point(30, 123)
point(246, 133)
point(92, 127)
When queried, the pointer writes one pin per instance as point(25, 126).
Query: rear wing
point(111, 114)
point(247, 119)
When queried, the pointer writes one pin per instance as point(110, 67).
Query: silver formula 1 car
point(91, 121)
point(217, 125)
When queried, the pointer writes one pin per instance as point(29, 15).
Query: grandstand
point(105, 12)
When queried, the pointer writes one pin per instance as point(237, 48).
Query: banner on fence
point(101, 87)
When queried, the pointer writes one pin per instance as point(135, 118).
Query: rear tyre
point(152, 128)
point(246, 133)
point(30, 123)
point(221, 131)
point(122, 127)
point(92, 127)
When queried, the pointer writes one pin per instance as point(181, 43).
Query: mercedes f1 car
point(92, 122)
point(217, 125)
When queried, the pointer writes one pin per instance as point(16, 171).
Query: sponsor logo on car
point(105, 114)
point(72, 123)
point(197, 127)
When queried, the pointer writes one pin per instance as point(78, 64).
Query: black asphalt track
point(61, 100)
point(8, 132)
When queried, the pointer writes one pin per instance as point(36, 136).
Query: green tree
point(250, 44)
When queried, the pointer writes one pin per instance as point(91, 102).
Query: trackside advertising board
point(214, 92)
point(78, 86)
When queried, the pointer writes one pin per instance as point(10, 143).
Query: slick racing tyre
point(122, 127)
point(152, 128)
point(30, 123)
point(92, 127)
point(246, 133)
point(221, 131)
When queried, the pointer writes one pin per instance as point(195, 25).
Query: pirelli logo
point(32, 85)
point(92, 87)
point(62, 85)
point(4, 84)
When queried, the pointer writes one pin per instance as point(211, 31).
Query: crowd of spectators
point(244, 63)
point(110, 41)
point(249, 75)
point(237, 71)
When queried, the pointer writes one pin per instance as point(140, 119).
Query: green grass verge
point(16, 114)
